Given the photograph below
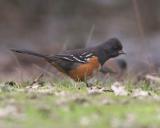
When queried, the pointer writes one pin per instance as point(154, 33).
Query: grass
point(61, 104)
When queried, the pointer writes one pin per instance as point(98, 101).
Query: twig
point(153, 78)
point(141, 31)
point(108, 90)
point(139, 20)
point(36, 80)
point(90, 34)
point(65, 44)
point(19, 65)
point(44, 70)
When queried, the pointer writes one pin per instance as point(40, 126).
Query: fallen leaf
point(139, 92)
point(119, 90)
point(95, 90)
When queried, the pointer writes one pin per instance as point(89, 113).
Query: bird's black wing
point(70, 59)
point(76, 56)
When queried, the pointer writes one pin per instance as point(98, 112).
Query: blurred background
point(50, 26)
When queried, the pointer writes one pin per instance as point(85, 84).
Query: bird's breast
point(85, 71)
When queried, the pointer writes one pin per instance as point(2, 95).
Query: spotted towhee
point(80, 64)
point(115, 67)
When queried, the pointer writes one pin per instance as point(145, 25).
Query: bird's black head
point(112, 47)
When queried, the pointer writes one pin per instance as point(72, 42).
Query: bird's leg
point(89, 85)
point(86, 82)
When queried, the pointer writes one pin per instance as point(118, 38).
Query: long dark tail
point(30, 53)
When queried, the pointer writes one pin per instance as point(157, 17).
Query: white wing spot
point(89, 55)
point(87, 59)
point(67, 58)
point(84, 53)
point(78, 59)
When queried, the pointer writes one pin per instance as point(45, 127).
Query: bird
point(81, 64)
point(115, 67)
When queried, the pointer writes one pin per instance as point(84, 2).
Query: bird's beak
point(121, 52)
